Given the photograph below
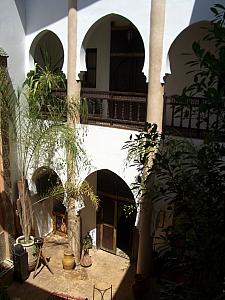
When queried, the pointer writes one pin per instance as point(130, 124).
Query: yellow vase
point(68, 260)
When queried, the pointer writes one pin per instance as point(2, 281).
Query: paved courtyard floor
point(107, 269)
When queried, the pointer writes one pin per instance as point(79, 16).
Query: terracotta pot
point(85, 260)
point(68, 260)
point(30, 248)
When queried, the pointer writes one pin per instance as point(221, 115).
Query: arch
point(45, 178)
point(111, 227)
point(93, 27)
point(100, 36)
point(47, 48)
point(176, 59)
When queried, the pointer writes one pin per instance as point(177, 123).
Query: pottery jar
point(68, 260)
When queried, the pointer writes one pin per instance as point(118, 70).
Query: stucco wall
point(178, 60)
point(46, 15)
point(88, 213)
point(103, 146)
point(12, 37)
point(179, 15)
point(100, 38)
point(90, 11)
point(52, 15)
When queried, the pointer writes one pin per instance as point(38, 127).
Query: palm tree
point(39, 139)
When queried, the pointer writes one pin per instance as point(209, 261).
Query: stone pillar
point(155, 87)
point(73, 98)
point(154, 115)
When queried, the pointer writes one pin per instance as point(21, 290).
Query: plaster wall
point(181, 46)
point(179, 15)
point(46, 15)
point(100, 39)
point(12, 37)
point(90, 11)
point(52, 15)
point(88, 213)
point(103, 146)
point(104, 149)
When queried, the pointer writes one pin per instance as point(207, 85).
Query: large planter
point(85, 260)
point(30, 249)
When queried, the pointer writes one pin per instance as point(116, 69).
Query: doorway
point(114, 224)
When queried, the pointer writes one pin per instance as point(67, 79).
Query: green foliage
point(207, 67)
point(191, 179)
point(40, 141)
point(87, 242)
point(42, 85)
point(140, 148)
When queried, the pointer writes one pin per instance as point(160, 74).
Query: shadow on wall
point(20, 4)
point(84, 3)
point(88, 213)
point(42, 14)
point(201, 10)
point(42, 215)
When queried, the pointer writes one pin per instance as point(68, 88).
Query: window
point(91, 63)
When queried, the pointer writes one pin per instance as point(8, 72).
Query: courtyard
point(106, 270)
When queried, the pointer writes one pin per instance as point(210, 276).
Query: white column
point(154, 115)
point(155, 88)
point(73, 98)
point(73, 87)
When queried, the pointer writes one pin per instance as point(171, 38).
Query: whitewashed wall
point(45, 15)
point(104, 148)
point(52, 15)
point(12, 37)
point(179, 15)
point(90, 11)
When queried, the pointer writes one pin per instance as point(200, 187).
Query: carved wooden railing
point(126, 110)
point(187, 119)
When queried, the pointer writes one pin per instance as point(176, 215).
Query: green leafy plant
point(191, 179)
point(87, 242)
point(31, 135)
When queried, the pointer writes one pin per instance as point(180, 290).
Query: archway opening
point(47, 50)
point(116, 215)
point(114, 56)
point(112, 227)
point(181, 52)
point(50, 214)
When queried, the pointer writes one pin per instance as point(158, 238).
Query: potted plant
point(30, 133)
point(86, 260)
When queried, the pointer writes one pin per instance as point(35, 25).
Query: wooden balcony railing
point(126, 110)
point(187, 119)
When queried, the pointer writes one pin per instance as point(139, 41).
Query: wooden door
point(108, 225)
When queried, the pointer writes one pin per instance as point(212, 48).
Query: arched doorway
point(114, 56)
point(50, 214)
point(116, 214)
point(185, 121)
point(47, 50)
point(180, 53)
